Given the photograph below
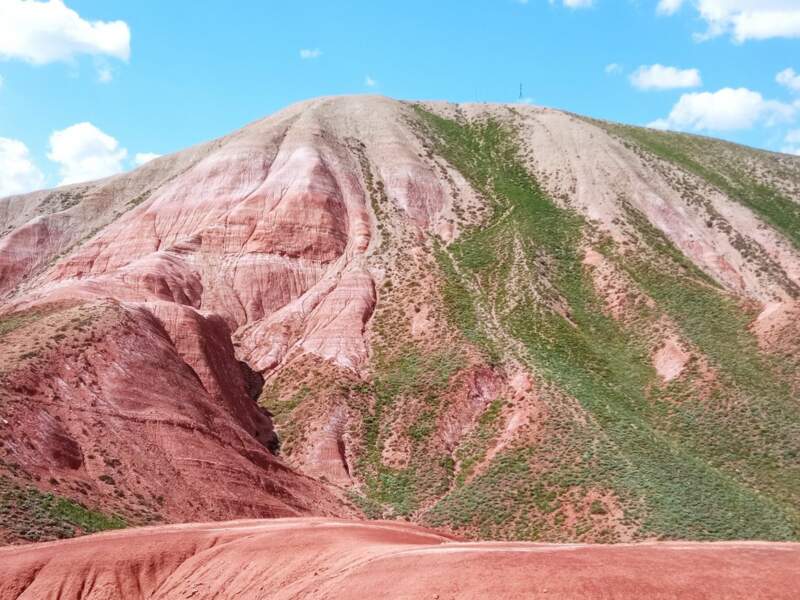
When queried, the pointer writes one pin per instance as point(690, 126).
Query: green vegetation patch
point(401, 376)
point(749, 423)
point(525, 266)
point(13, 321)
point(704, 158)
point(472, 450)
point(33, 515)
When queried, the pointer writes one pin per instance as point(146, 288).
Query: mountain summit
point(503, 321)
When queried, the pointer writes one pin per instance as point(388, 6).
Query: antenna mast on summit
point(520, 92)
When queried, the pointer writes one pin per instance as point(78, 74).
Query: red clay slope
point(144, 413)
point(323, 558)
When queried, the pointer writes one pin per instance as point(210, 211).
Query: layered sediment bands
point(603, 175)
point(39, 228)
point(506, 321)
point(258, 237)
point(143, 412)
point(318, 559)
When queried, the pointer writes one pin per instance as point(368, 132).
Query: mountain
point(503, 321)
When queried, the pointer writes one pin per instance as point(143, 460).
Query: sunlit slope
point(501, 320)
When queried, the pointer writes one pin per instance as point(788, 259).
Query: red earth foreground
point(314, 558)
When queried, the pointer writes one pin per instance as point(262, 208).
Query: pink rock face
point(20, 251)
point(326, 451)
point(253, 227)
point(144, 411)
point(196, 275)
point(319, 559)
point(669, 360)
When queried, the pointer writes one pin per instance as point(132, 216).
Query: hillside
point(503, 321)
point(326, 558)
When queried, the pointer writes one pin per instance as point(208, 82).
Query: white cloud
point(766, 24)
point(144, 157)
point(83, 152)
point(788, 78)
point(45, 32)
point(725, 109)
point(792, 140)
point(613, 69)
point(310, 53)
point(743, 19)
point(669, 7)
point(18, 173)
point(659, 77)
point(369, 81)
point(1, 81)
point(660, 124)
point(104, 74)
point(573, 3)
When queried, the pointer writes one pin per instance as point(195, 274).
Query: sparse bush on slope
point(718, 468)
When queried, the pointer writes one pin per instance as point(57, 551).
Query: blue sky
point(90, 84)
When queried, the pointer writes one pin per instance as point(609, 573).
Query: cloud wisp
point(789, 79)
point(310, 53)
point(575, 3)
point(659, 77)
point(84, 152)
point(792, 141)
point(46, 32)
point(18, 173)
point(742, 20)
point(668, 7)
point(725, 110)
point(141, 158)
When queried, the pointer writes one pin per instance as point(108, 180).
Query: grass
point(701, 157)
point(13, 321)
point(472, 450)
point(280, 407)
point(749, 425)
point(460, 306)
point(137, 200)
point(34, 515)
point(673, 487)
point(405, 375)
